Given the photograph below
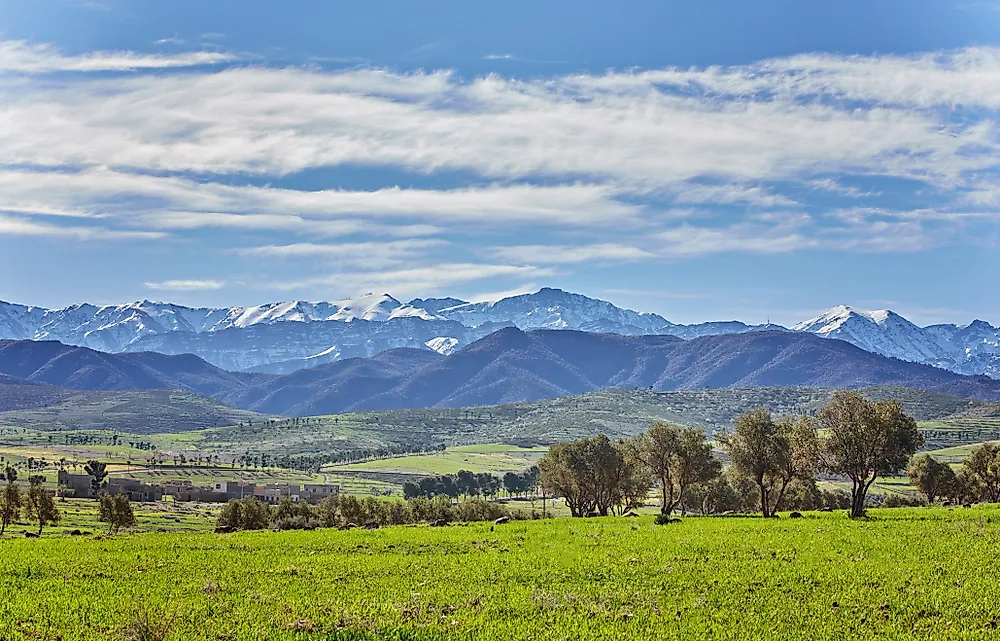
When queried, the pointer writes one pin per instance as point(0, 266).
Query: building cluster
point(181, 490)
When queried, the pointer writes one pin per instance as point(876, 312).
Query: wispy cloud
point(18, 226)
point(169, 41)
point(186, 285)
point(570, 254)
point(370, 255)
point(24, 57)
point(422, 280)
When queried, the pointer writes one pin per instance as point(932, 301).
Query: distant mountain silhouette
point(507, 366)
point(86, 369)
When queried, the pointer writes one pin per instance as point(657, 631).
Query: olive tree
point(11, 502)
point(116, 511)
point(772, 454)
point(933, 479)
point(983, 469)
point(40, 504)
point(866, 440)
point(677, 458)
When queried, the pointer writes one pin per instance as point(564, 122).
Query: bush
point(296, 522)
point(901, 500)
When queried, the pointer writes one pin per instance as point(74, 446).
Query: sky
point(701, 160)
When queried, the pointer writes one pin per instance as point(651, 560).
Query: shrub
point(901, 500)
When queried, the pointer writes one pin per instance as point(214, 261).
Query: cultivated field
point(927, 573)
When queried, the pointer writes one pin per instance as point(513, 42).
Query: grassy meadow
point(923, 573)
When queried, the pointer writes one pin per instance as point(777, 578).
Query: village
point(178, 490)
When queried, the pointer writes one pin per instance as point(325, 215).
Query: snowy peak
point(369, 307)
point(836, 317)
point(556, 309)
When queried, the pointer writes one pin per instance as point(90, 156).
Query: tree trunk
point(763, 498)
point(664, 508)
point(859, 489)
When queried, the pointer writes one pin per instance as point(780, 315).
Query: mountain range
point(284, 337)
point(507, 366)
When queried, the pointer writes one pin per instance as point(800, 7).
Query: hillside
point(81, 368)
point(613, 412)
point(131, 411)
point(512, 366)
point(508, 366)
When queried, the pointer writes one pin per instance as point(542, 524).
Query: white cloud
point(21, 56)
point(731, 193)
point(422, 280)
point(570, 254)
point(368, 254)
point(17, 226)
point(186, 285)
point(780, 119)
point(171, 202)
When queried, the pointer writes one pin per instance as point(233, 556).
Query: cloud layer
point(653, 165)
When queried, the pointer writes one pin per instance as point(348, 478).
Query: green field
point(495, 458)
point(925, 573)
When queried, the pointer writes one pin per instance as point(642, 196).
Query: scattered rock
point(348, 526)
point(225, 529)
point(371, 525)
point(502, 520)
point(795, 515)
point(630, 515)
point(439, 523)
point(826, 509)
point(75, 533)
point(729, 513)
point(31, 535)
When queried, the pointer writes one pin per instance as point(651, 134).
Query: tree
point(98, 471)
point(230, 517)
point(40, 505)
point(563, 471)
point(717, 495)
point(866, 440)
point(634, 479)
point(10, 475)
point(983, 468)
point(772, 453)
point(677, 458)
point(11, 501)
point(328, 510)
point(512, 483)
point(116, 511)
point(933, 479)
point(286, 509)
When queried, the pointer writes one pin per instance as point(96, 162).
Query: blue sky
point(700, 160)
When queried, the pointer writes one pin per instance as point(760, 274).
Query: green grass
point(496, 458)
point(904, 574)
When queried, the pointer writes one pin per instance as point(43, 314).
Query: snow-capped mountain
point(285, 336)
point(555, 309)
point(965, 349)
